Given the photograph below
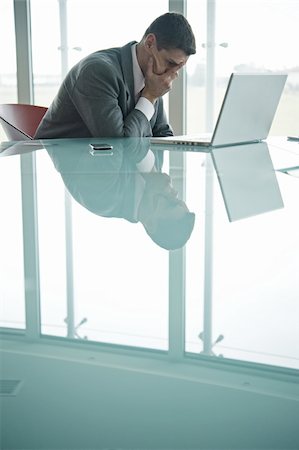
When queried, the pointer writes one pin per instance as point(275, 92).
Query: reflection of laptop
point(247, 180)
point(246, 114)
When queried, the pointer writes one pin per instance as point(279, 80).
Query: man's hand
point(158, 85)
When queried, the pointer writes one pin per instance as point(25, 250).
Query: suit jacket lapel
point(127, 68)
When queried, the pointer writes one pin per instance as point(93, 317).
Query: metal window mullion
point(30, 225)
point(70, 302)
point(209, 183)
point(176, 348)
point(63, 37)
point(177, 95)
point(30, 246)
point(177, 118)
point(28, 173)
point(23, 51)
point(177, 272)
point(70, 320)
point(210, 66)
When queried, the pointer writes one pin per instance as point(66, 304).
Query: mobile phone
point(100, 149)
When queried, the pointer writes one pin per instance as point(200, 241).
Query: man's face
point(168, 59)
point(165, 59)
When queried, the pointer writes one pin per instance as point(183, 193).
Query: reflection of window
point(12, 303)
point(247, 288)
point(119, 278)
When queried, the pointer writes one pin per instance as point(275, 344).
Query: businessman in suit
point(118, 92)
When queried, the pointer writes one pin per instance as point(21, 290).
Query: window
point(8, 78)
point(77, 28)
point(250, 36)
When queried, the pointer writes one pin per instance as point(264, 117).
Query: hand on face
point(162, 68)
point(157, 84)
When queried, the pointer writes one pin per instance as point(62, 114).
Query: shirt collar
point(137, 73)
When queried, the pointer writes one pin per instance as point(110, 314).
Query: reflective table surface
point(170, 249)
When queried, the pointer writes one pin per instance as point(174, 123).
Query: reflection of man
point(118, 92)
point(126, 185)
point(166, 219)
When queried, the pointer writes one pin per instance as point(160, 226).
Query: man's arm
point(161, 127)
point(100, 97)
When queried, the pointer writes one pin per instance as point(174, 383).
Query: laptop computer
point(246, 114)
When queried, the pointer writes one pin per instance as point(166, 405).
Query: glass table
point(169, 249)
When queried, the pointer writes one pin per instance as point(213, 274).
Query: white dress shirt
point(147, 108)
point(142, 103)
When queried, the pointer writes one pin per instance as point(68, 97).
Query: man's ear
point(150, 41)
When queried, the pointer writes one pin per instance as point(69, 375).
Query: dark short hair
point(172, 235)
point(172, 30)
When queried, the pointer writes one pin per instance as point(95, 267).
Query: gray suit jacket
point(97, 99)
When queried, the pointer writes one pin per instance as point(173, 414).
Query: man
point(118, 92)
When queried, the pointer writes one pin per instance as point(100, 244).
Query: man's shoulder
point(108, 55)
point(100, 63)
point(106, 59)
point(101, 57)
